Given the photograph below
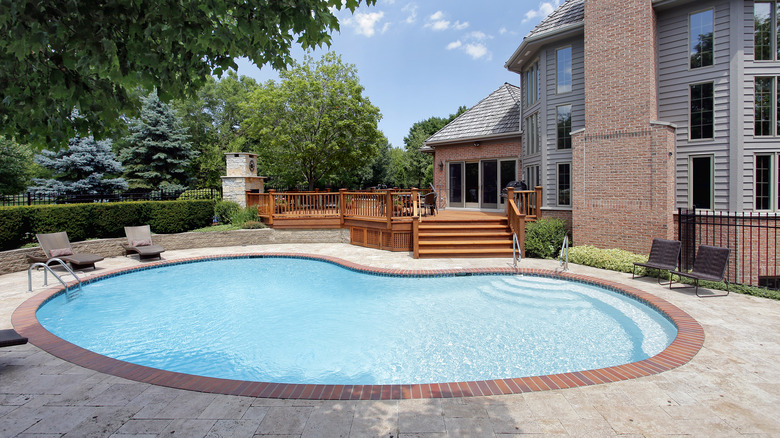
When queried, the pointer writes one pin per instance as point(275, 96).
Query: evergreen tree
point(157, 153)
point(84, 168)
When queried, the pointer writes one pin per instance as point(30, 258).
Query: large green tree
point(213, 118)
point(16, 163)
point(156, 153)
point(313, 124)
point(88, 55)
point(419, 166)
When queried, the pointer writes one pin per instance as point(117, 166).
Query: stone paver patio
point(730, 388)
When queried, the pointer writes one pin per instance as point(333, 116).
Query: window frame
point(532, 86)
point(533, 135)
point(557, 70)
point(567, 134)
point(690, 35)
point(773, 182)
point(773, 35)
point(558, 183)
point(711, 158)
point(690, 112)
point(532, 175)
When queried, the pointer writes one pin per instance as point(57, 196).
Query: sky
point(423, 58)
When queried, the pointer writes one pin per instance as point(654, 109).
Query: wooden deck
point(450, 214)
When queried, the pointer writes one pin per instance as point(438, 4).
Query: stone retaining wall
point(16, 260)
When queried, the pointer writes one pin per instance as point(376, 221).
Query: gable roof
point(494, 116)
point(570, 12)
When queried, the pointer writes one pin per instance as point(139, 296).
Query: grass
point(224, 227)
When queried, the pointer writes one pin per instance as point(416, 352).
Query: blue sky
point(423, 58)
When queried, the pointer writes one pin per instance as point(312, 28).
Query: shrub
point(544, 238)
point(253, 225)
point(611, 259)
point(225, 210)
point(244, 215)
point(199, 194)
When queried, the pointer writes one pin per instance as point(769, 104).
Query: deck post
point(510, 194)
point(415, 202)
point(538, 196)
point(389, 208)
point(272, 207)
point(342, 205)
point(415, 236)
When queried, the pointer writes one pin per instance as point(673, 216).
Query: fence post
point(342, 205)
point(538, 195)
point(29, 198)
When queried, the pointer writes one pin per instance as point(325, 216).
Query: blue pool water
point(293, 320)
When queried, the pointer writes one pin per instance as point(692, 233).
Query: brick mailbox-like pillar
point(623, 179)
point(241, 169)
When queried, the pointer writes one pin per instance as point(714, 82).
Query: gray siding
point(674, 81)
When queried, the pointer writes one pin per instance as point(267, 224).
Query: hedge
point(18, 225)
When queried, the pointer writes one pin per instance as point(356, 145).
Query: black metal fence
point(78, 198)
point(752, 237)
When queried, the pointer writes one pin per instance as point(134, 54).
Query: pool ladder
point(46, 270)
point(516, 254)
point(565, 253)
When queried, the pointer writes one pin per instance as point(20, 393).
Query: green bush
point(199, 194)
point(18, 225)
point(225, 210)
point(253, 225)
point(244, 215)
point(611, 259)
point(544, 238)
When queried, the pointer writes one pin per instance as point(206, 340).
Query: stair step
point(464, 236)
point(470, 252)
point(427, 227)
point(465, 242)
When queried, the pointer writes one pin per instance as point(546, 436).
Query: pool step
point(489, 237)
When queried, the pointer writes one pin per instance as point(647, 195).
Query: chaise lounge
point(710, 264)
point(139, 241)
point(57, 246)
point(663, 257)
point(9, 337)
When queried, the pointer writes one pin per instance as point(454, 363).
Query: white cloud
point(545, 9)
point(438, 15)
point(477, 51)
point(440, 25)
point(365, 22)
point(454, 45)
point(460, 26)
point(478, 35)
point(411, 10)
point(437, 22)
point(502, 31)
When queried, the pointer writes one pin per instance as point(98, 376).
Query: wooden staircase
point(479, 237)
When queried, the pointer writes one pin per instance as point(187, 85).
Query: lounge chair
point(57, 245)
point(663, 257)
point(710, 264)
point(139, 241)
point(9, 337)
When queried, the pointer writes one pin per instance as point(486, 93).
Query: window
point(767, 182)
point(765, 33)
point(532, 134)
point(700, 176)
point(532, 84)
point(766, 112)
point(702, 103)
point(563, 126)
point(532, 176)
point(564, 70)
point(563, 188)
point(701, 39)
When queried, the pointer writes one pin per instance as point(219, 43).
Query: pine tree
point(157, 152)
point(83, 168)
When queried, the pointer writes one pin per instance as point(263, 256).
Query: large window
point(532, 176)
point(563, 126)
point(700, 174)
point(701, 39)
point(766, 115)
point(532, 141)
point(532, 84)
point(563, 188)
point(564, 70)
point(767, 182)
point(765, 34)
point(702, 109)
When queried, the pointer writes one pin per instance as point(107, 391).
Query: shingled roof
point(571, 11)
point(493, 116)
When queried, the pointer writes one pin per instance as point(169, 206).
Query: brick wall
point(622, 162)
point(502, 149)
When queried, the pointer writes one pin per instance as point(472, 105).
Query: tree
point(85, 167)
point(313, 123)
point(90, 55)
point(15, 167)
point(419, 166)
point(213, 118)
point(157, 153)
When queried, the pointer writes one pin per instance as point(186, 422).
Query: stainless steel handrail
point(46, 269)
point(516, 256)
point(565, 249)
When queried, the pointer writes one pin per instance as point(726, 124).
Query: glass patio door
point(471, 186)
point(455, 182)
point(489, 184)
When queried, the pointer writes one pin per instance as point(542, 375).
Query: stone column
point(241, 177)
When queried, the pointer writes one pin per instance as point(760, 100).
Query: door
point(455, 197)
point(489, 184)
point(471, 187)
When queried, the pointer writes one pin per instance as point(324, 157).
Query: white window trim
point(557, 182)
point(712, 180)
point(713, 39)
point(571, 65)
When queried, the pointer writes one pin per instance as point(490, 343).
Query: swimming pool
point(352, 331)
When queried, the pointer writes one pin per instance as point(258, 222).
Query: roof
point(570, 12)
point(494, 116)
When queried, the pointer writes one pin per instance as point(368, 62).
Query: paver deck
point(730, 388)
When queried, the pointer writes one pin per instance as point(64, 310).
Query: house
point(631, 110)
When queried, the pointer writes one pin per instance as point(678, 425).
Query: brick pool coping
point(689, 340)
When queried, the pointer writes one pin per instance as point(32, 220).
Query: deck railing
point(528, 202)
